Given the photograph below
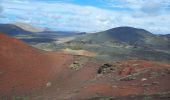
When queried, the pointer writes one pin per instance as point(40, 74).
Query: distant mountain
point(123, 43)
point(166, 36)
point(33, 35)
point(125, 35)
point(28, 27)
point(12, 30)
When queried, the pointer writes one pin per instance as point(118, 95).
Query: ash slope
point(24, 69)
point(29, 73)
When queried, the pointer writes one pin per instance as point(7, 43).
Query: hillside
point(24, 69)
point(122, 43)
point(126, 35)
point(27, 73)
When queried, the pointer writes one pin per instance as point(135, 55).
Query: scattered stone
point(126, 71)
point(154, 74)
point(106, 68)
point(155, 83)
point(144, 79)
point(107, 65)
point(127, 78)
point(114, 86)
point(48, 84)
point(135, 65)
point(76, 65)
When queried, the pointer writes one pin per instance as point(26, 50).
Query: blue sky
point(88, 15)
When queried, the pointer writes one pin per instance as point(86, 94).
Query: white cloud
point(65, 16)
point(139, 5)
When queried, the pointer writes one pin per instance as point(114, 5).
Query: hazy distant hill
point(28, 27)
point(126, 35)
point(34, 35)
point(12, 30)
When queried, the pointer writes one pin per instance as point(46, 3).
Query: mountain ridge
point(127, 35)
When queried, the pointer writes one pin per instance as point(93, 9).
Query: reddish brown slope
point(23, 68)
point(124, 78)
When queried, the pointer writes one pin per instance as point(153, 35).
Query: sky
point(88, 15)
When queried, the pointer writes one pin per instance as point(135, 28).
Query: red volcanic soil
point(40, 75)
point(24, 69)
point(133, 77)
